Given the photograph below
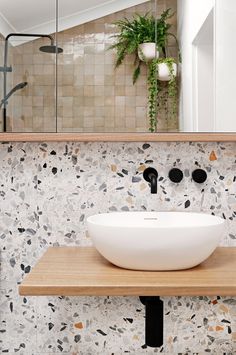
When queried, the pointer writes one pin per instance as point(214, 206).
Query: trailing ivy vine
point(157, 102)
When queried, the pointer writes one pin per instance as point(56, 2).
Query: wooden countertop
point(79, 271)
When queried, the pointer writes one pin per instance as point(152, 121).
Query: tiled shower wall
point(32, 109)
point(93, 96)
point(15, 117)
point(47, 192)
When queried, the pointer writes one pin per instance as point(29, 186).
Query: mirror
point(63, 79)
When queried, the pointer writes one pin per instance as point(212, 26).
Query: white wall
point(191, 16)
point(5, 27)
point(225, 65)
point(204, 77)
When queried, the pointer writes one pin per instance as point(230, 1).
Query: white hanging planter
point(164, 71)
point(148, 51)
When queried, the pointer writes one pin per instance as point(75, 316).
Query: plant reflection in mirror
point(140, 29)
point(162, 94)
point(146, 29)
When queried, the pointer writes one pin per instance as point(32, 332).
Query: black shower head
point(21, 85)
point(51, 49)
point(17, 87)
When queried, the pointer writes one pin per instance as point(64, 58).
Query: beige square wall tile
point(109, 111)
point(89, 101)
point(120, 101)
point(130, 111)
point(67, 90)
point(46, 101)
point(78, 112)
point(121, 80)
point(48, 69)
point(49, 111)
point(130, 122)
point(67, 122)
point(78, 91)
point(120, 90)
point(99, 90)
point(89, 90)
point(141, 90)
point(99, 101)
point(27, 111)
point(99, 59)
point(142, 80)
point(89, 59)
point(27, 101)
point(109, 101)
point(67, 79)
point(89, 111)
point(109, 90)
point(109, 69)
point(79, 80)
point(78, 101)
point(99, 111)
point(130, 90)
point(67, 112)
point(49, 124)
point(99, 79)
point(88, 122)
point(67, 102)
point(141, 112)
point(141, 100)
point(130, 101)
point(88, 79)
point(99, 69)
point(38, 123)
point(109, 80)
point(89, 69)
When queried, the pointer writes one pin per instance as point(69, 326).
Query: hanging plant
point(139, 30)
point(146, 32)
point(156, 80)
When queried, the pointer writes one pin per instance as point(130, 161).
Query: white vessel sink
point(155, 240)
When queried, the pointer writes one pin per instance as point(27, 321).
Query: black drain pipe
point(153, 321)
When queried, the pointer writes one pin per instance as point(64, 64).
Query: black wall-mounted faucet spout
point(153, 179)
point(151, 175)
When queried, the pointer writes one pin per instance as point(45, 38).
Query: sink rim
point(94, 219)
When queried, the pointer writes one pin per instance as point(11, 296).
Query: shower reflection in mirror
point(51, 48)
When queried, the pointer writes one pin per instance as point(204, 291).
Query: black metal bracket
point(154, 320)
point(6, 69)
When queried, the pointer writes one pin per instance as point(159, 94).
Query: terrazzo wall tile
point(47, 190)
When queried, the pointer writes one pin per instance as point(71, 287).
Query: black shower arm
point(30, 35)
point(21, 35)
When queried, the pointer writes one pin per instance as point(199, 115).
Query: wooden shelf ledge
point(117, 137)
point(82, 271)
